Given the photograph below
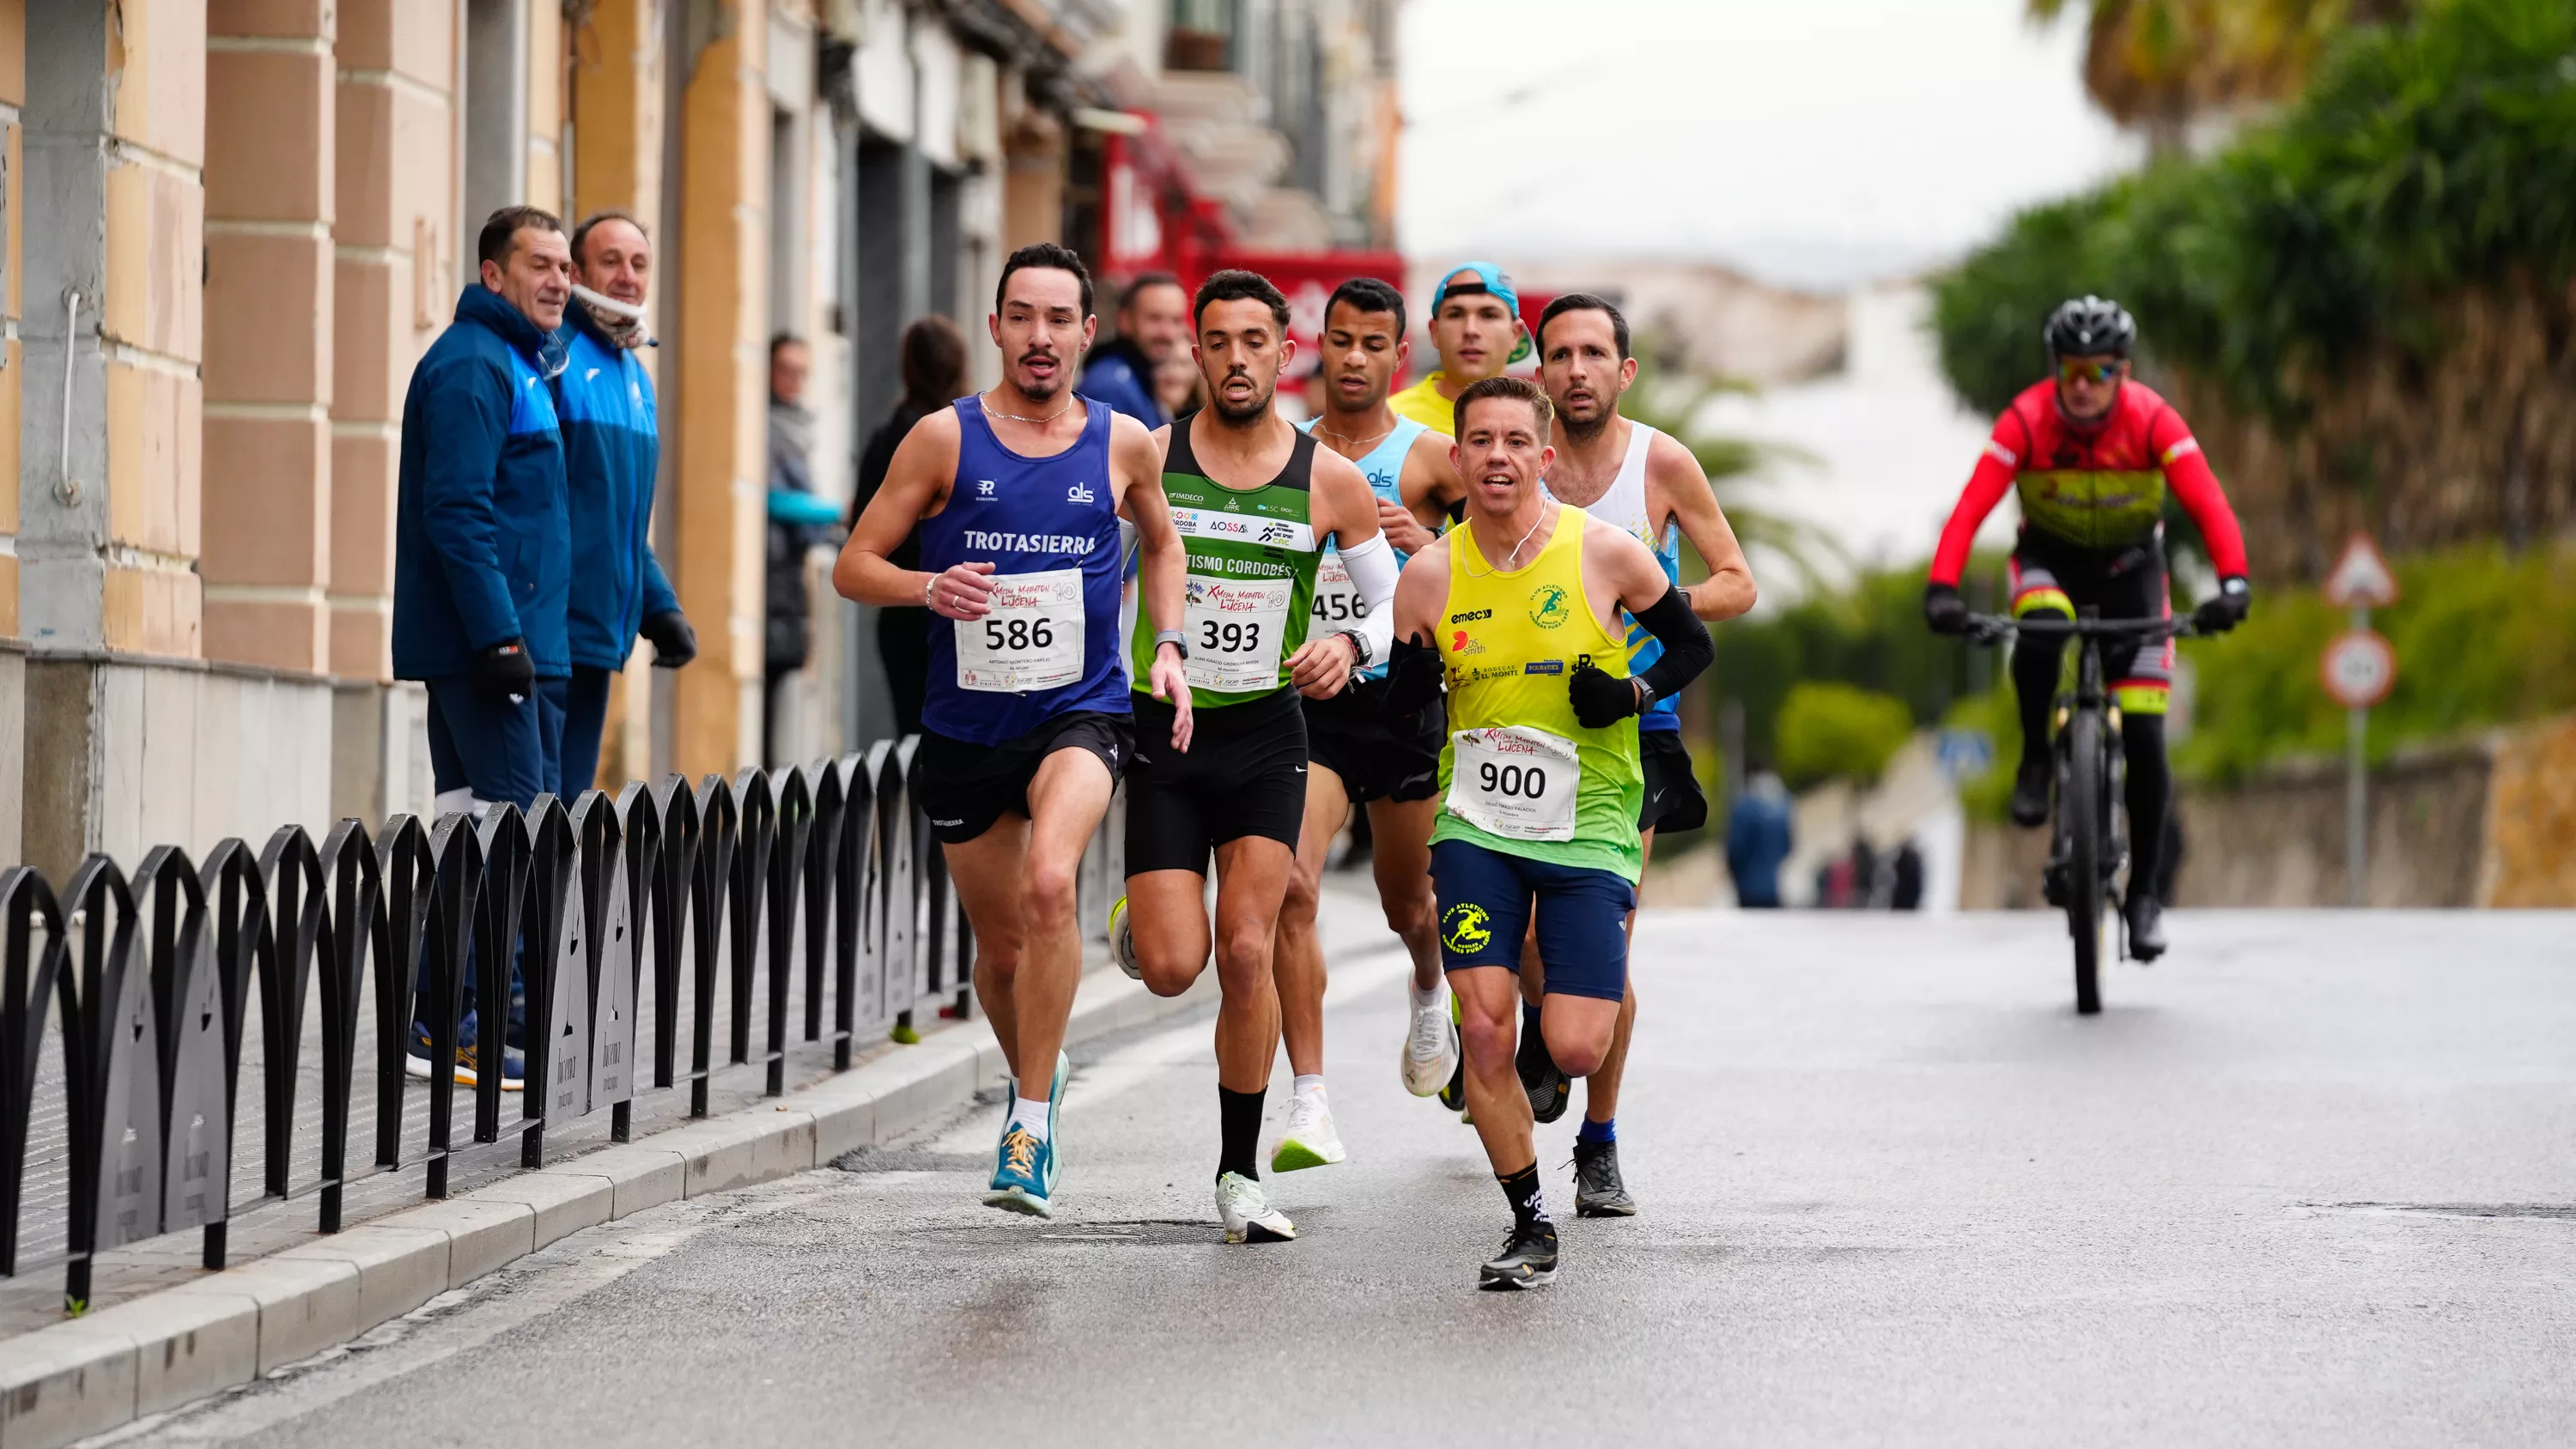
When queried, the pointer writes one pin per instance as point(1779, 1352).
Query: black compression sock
point(1239, 1122)
point(1520, 1189)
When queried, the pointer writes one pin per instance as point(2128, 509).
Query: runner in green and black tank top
point(1253, 501)
point(1251, 588)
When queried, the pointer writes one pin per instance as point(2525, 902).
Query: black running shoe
point(2146, 926)
point(2030, 791)
point(1454, 1095)
point(1599, 1191)
point(1527, 1260)
point(1548, 1087)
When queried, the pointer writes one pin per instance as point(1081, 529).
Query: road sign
point(2359, 668)
point(2361, 578)
point(1966, 754)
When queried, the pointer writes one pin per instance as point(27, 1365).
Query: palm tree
point(1672, 405)
point(2157, 65)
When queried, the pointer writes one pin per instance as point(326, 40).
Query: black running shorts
point(1673, 802)
point(1377, 756)
point(1244, 774)
point(965, 787)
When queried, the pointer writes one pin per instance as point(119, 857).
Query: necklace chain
point(1358, 442)
point(990, 411)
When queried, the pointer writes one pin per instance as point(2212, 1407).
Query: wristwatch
point(1173, 637)
point(1359, 647)
point(1645, 692)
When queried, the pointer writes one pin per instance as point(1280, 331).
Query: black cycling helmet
point(2089, 327)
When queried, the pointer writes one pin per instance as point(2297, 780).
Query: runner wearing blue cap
point(1476, 324)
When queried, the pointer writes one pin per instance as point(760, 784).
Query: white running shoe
point(1247, 1212)
point(1430, 1050)
point(1122, 941)
point(1310, 1140)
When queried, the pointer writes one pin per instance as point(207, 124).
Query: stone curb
point(87, 1375)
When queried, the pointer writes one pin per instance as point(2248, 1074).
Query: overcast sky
point(1813, 142)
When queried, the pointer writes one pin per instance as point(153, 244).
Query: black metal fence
point(134, 990)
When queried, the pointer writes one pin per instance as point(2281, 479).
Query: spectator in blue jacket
point(1758, 839)
point(482, 543)
point(1153, 327)
point(611, 448)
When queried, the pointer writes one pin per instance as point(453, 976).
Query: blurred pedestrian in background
point(1905, 877)
point(1758, 838)
point(933, 354)
point(798, 524)
point(483, 545)
point(1153, 327)
point(611, 448)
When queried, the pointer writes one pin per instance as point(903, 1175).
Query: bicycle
point(2088, 836)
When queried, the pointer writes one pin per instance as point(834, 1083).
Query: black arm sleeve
point(1688, 651)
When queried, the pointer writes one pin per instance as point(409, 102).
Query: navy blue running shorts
point(1486, 898)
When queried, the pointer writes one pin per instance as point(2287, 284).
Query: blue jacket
point(612, 445)
point(482, 544)
point(1758, 840)
point(1116, 374)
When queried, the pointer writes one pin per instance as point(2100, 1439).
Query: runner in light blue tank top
point(1337, 604)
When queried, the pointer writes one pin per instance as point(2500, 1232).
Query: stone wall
point(2490, 822)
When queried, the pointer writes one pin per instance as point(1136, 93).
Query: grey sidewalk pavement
point(215, 1330)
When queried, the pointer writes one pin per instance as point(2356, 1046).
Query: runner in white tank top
point(1656, 492)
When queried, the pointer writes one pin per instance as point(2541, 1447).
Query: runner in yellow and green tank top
point(1519, 611)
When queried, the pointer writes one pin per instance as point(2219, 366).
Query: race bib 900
point(1031, 640)
point(1514, 781)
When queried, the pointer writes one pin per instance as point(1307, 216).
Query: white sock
point(1424, 997)
point(1307, 1086)
point(1030, 1116)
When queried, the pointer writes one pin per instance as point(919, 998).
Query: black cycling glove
point(1944, 610)
point(1413, 676)
point(2225, 609)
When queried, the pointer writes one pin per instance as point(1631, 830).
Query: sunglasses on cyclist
point(2075, 369)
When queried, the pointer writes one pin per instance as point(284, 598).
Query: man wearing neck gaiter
point(611, 448)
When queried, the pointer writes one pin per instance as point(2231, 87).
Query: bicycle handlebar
point(1996, 628)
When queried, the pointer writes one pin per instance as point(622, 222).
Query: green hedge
point(1839, 731)
point(2423, 158)
point(2482, 639)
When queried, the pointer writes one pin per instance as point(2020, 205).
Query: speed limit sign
point(2359, 668)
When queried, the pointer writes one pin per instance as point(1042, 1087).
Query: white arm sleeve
point(1372, 567)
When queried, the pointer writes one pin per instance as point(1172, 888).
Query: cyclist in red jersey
point(2091, 454)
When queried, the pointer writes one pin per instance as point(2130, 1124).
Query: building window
point(1201, 36)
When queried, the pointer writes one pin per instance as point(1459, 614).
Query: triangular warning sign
point(2361, 578)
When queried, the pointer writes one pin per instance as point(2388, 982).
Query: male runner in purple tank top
point(1017, 493)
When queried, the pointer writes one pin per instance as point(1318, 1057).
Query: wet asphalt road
point(2309, 1181)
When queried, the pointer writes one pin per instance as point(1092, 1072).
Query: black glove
point(674, 642)
point(505, 668)
point(1944, 610)
point(2225, 609)
point(1599, 700)
point(1413, 678)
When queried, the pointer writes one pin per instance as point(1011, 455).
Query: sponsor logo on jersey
point(1079, 493)
point(1544, 666)
point(1276, 533)
point(1550, 606)
point(1003, 541)
point(1470, 616)
point(1461, 643)
point(984, 487)
point(1205, 524)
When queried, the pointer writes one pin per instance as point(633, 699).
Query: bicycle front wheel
point(2080, 803)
